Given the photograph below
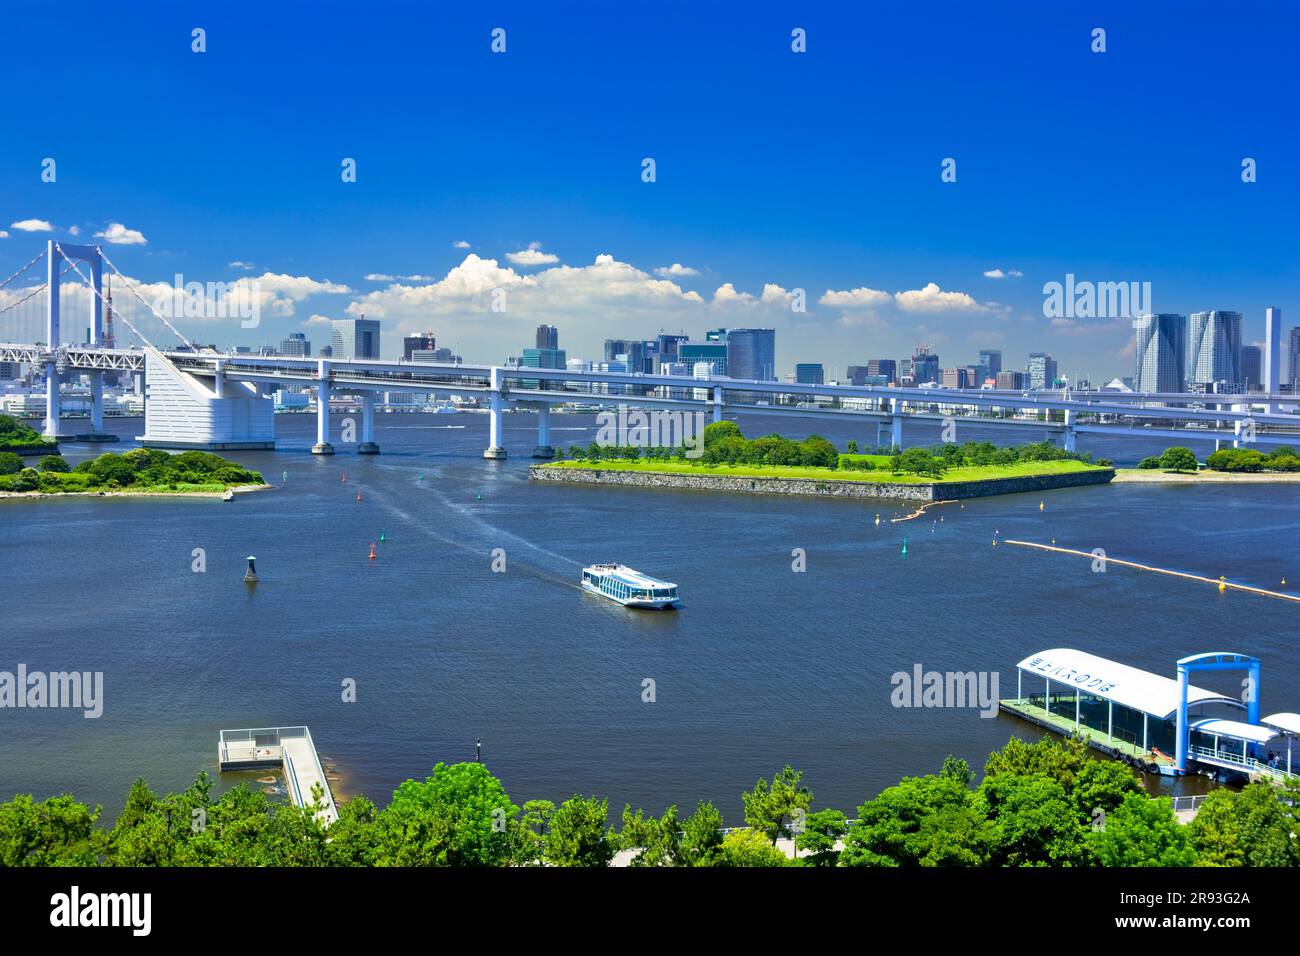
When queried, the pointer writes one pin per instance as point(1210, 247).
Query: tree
point(701, 839)
point(770, 808)
point(922, 821)
point(851, 448)
point(10, 463)
point(749, 848)
point(54, 832)
point(1178, 458)
point(528, 833)
point(55, 463)
point(457, 817)
point(579, 835)
point(1141, 831)
point(1033, 822)
point(659, 841)
point(822, 831)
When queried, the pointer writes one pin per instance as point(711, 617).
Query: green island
point(1179, 465)
point(22, 439)
point(727, 452)
point(142, 471)
point(1038, 804)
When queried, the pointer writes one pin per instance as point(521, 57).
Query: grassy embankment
point(880, 473)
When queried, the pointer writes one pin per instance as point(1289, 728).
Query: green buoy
point(383, 535)
point(904, 547)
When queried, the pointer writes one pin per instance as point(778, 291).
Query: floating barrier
point(1223, 583)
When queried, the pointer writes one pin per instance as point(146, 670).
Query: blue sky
point(817, 171)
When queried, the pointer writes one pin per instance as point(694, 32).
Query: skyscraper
point(354, 339)
point(1251, 362)
point(989, 365)
point(751, 354)
point(548, 337)
point(424, 342)
point(1160, 357)
point(810, 373)
point(296, 345)
point(925, 366)
point(1293, 368)
point(1214, 350)
point(1272, 380)
point(1042, 370)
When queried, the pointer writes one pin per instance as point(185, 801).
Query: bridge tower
point(94, 259)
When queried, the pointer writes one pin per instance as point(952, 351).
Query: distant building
point(1252, 360)
point(542, 358)
point(857, 374)
point(886, 368)
point(1041, 372)
point(354, 339)
point(1214, 351)
point(1011, 379)
point(924, 366)
point(956, 378)
point(548, 337)
point(711, 351)
point(1272, 378)
point(810, 373)
point(1160, 354)
point(751, 354)
point(1293, 366)
point(990, 364)
point(296, 345)
point(668, 345)
point(424, 342)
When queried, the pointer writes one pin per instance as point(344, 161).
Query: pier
point(287, 749)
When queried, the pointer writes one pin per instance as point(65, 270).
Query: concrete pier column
point(544, 449)
point(368, 444)
point(896, 428)
point(51, 400)
point(322, 446)
point(717, 403)
point(1236, 433)
point(97, 402)
point(1070, 435)
point(495, 450)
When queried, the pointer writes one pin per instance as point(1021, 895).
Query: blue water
point(759, 667)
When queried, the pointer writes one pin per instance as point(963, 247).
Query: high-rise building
point(1293, 365)
point(1272, 377)
point(542, 358)
point(548, 337)
point(857, 374)
point(989, 365)
point(751, 354)
point(925, 366)
point(1010, 378)
point(1214, 350)
point(1042, 370)
point(956, 378)
point(887, 368)
point(1252, 360)
point(296, 345)
point(424, 342)
point(1160, 356)
point(668, 344)
point(354, 339)
point(810, 373)
point(713, 352)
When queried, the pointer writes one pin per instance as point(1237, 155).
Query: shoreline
point(127, 493)
point(1135, 476)
point(824, 487)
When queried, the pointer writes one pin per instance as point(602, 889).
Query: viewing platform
point(287, 749)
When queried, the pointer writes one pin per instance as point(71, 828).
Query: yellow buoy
point(1041, 506)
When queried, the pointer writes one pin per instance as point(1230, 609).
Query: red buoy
point(372, 552)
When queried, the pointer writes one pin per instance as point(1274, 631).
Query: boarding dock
point(287, 749)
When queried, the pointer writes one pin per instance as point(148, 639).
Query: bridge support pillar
point(495, 450)
point(896, 429)
point(544, 449)
point(97, 433)
point(322, 446)
point(717, 403)
point(1236, 433)
point(51, 400)
point(1070, 436)
point(368, 444)
point(1180, 722)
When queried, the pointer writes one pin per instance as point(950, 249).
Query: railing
point(1245, 762)
point(1188, 804)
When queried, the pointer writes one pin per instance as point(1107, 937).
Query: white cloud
point(934, 299)
point(238, 264)
point(384, 277)
point(532, 256)
point(676, 269)
point(726, 294)
point(119, 235)
point(316, 319)
point(32, 225)
point(74, 230)
point(460, 244)
point(1003, 274)
point(860, 298)
point(3, 234)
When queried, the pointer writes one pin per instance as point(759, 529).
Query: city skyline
point(741, 213)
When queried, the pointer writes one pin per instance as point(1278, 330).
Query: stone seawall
point(834, 488)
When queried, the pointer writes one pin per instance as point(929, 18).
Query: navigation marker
point(250, 576)
point(904, 547)
point(383, 536)
point(372, 551)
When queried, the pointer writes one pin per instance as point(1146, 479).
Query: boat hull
point(647, 604)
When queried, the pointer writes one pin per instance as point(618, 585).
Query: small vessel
point(228, 496)
point(628, 587)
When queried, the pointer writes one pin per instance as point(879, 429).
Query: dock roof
point(1127, 686)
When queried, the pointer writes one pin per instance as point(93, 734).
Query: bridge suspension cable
point(125, 321)
point(35, 292)
point(188, 344)
point(22, 270)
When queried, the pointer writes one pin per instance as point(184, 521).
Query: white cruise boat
point(628, 587)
